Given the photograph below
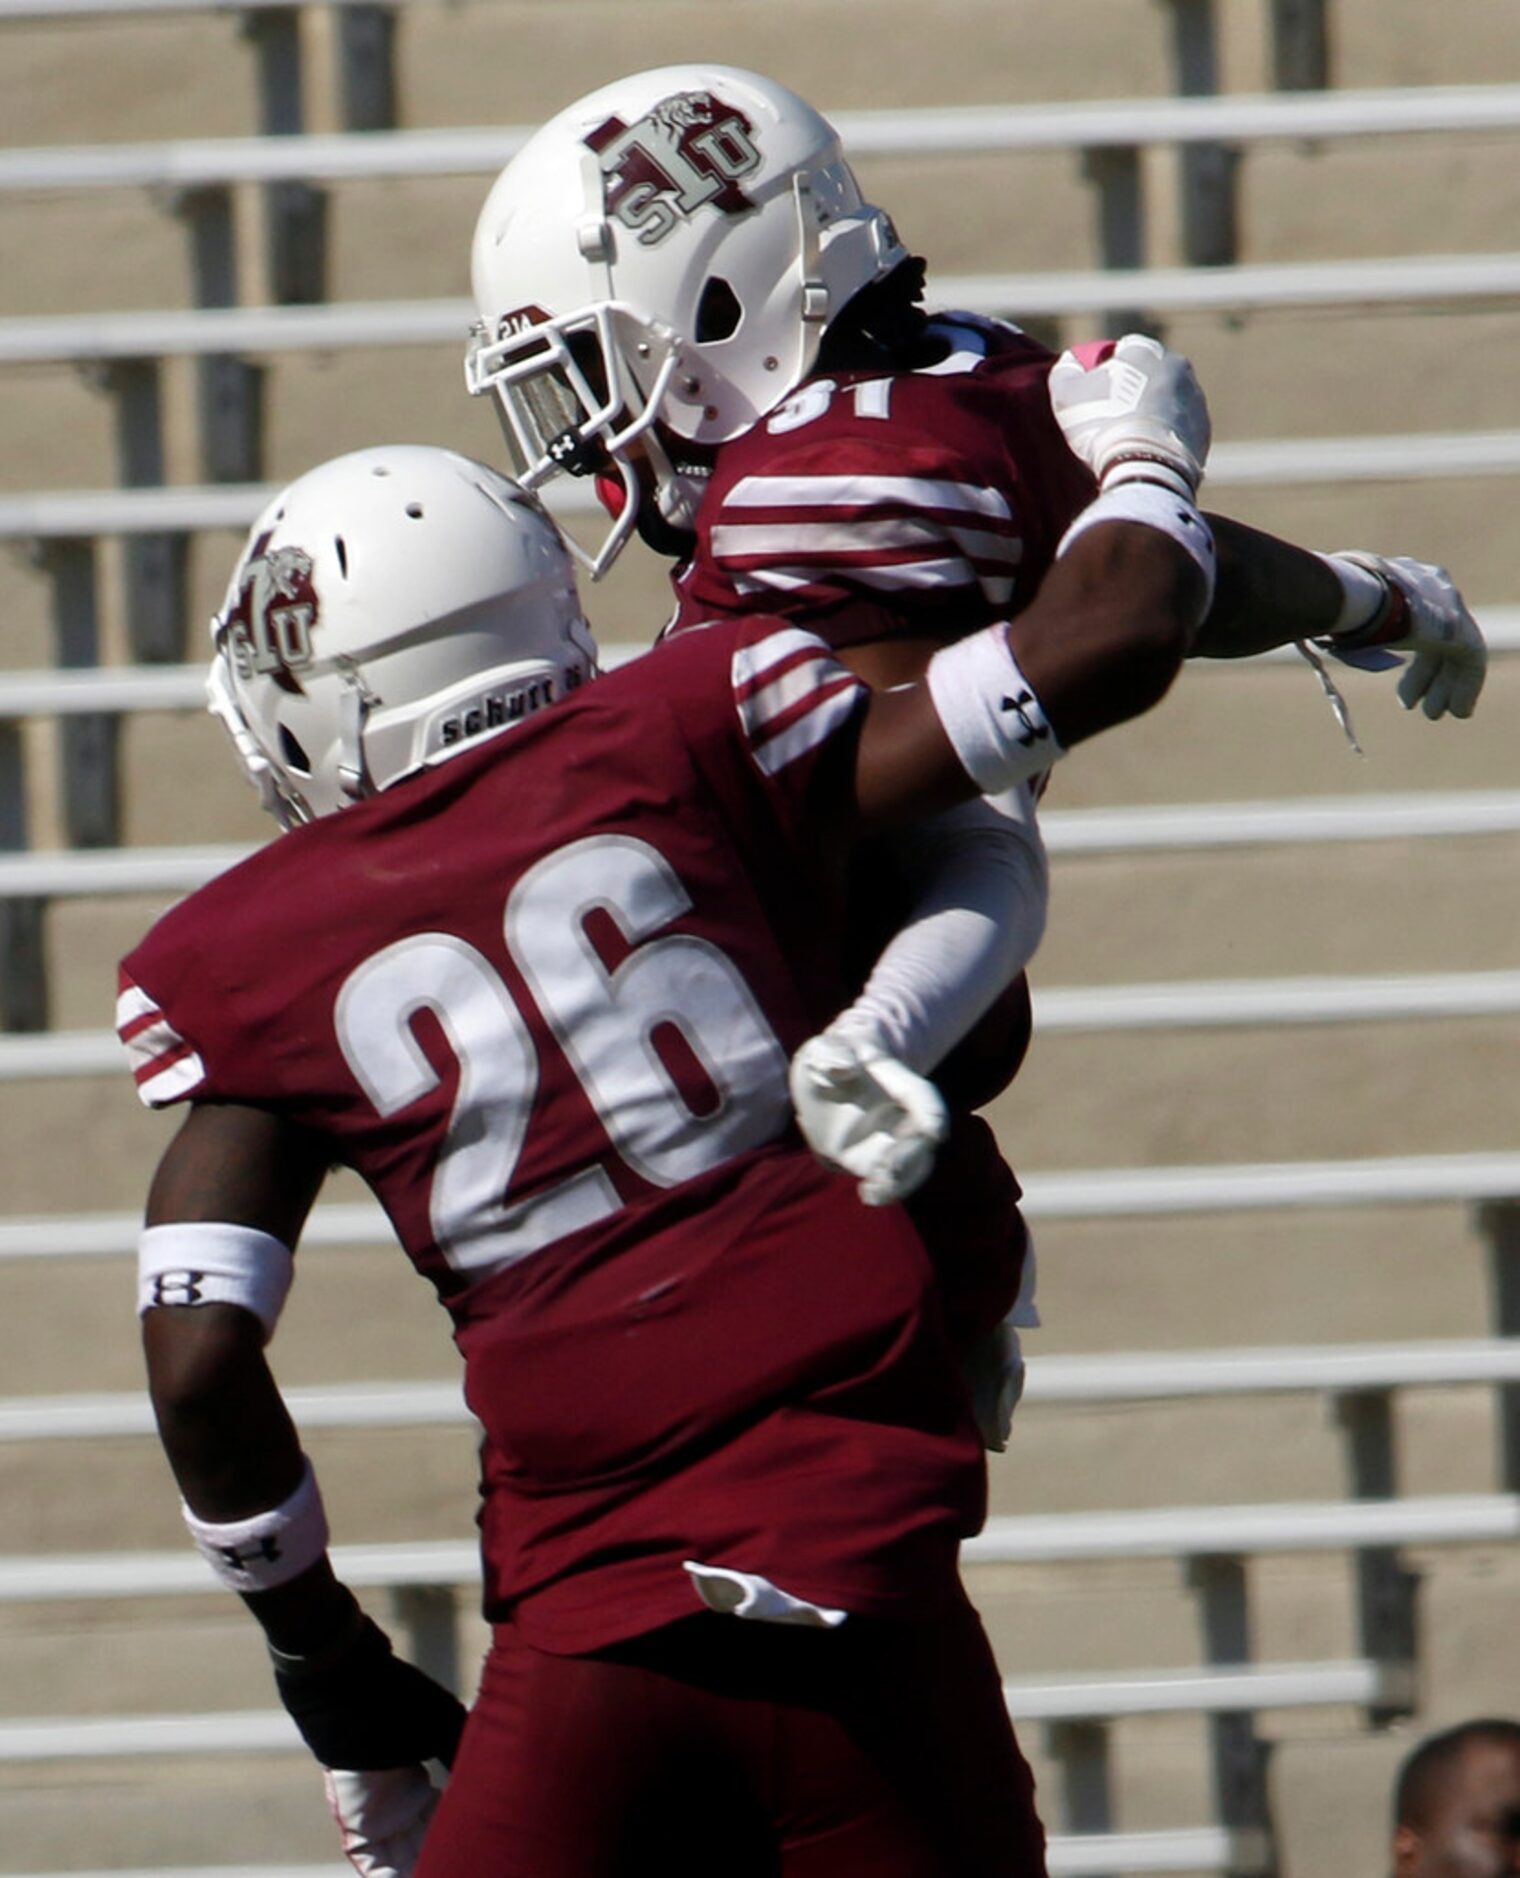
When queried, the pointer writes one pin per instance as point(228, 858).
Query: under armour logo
point(572, 452)
point(178, 1288)
point(1035, 729)
point(240, 1557)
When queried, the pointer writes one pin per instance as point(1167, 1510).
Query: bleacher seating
point(1265, 1143)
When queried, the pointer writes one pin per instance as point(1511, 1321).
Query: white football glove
point(863, 1111)
point(994, 1373)
point(382, 1816)
point(1132, 410)
point(1450, 658)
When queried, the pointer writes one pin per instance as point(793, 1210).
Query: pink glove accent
point(1092, 352)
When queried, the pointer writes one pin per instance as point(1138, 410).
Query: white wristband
point(1364, 595)
point(1152, 507)
point(995, 723)
point(266, 1549)
point(203, 1262)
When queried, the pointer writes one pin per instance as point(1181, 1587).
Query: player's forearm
point(224, 1426)
point(1267, 593)
point(1109, 629)
point(235, 1453)
point(978, 882)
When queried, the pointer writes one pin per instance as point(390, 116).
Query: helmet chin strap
point(353, 709)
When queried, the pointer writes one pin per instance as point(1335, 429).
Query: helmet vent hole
point(718, 312)
point(340, 548)
point(291, 750)
point(414, 509)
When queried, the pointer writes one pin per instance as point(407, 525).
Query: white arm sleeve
point(981, 886)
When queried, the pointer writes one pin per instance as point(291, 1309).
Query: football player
point(533, 958)
point(1456, 1803)
point(683, 295)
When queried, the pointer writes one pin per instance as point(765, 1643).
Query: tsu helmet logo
point(689, 150)
point(271, 621)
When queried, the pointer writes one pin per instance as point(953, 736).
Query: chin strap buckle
point(353, 711)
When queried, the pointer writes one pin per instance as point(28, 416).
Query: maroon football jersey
point(924, 502)
point(542, 996)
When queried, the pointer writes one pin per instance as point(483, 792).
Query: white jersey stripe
point(790, 692)
point(846, 542)
point(917, 492)
point(163, 1065)
point(133, 1003)
point(154, 1047)
point(890, 578)
point(830, 713)
point(751, 663)
point(764, 706)
point(174, 1080)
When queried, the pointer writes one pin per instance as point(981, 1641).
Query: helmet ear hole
point(719, 314)
point(293, 752)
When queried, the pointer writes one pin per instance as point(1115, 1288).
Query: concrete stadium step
point(1339, 908)
point(1339, 1273)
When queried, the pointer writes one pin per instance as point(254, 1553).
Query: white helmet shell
point(668, 249)
point(390, 606)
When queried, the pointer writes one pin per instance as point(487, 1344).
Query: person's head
point(1456, 1804)
point(389, 606)
point(655, 270)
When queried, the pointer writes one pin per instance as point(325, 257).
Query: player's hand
point(1132, 410)
point(863, 1111)
point(358, 1706)
point(1430, 620)
point(994, 1372)
point(383, 1817)
point(372, 1720)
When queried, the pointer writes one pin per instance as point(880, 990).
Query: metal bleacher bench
point(1227, 1693)
point(1215, 1543)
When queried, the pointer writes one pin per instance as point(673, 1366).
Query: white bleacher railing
point(125, 688)
point(1111, 1378)
point(1075, 1010)
point(1264, 1687)
point(36, 12)
point(1187, 827)
point(1176, 1532)
point(1471, 280)
point(1459, 110)
point(1082, 1194)
point(186, 508)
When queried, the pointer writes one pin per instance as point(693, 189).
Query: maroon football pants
point(718, 1745)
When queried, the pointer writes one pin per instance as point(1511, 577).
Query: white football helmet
point(390, 606)
point(666, 252)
